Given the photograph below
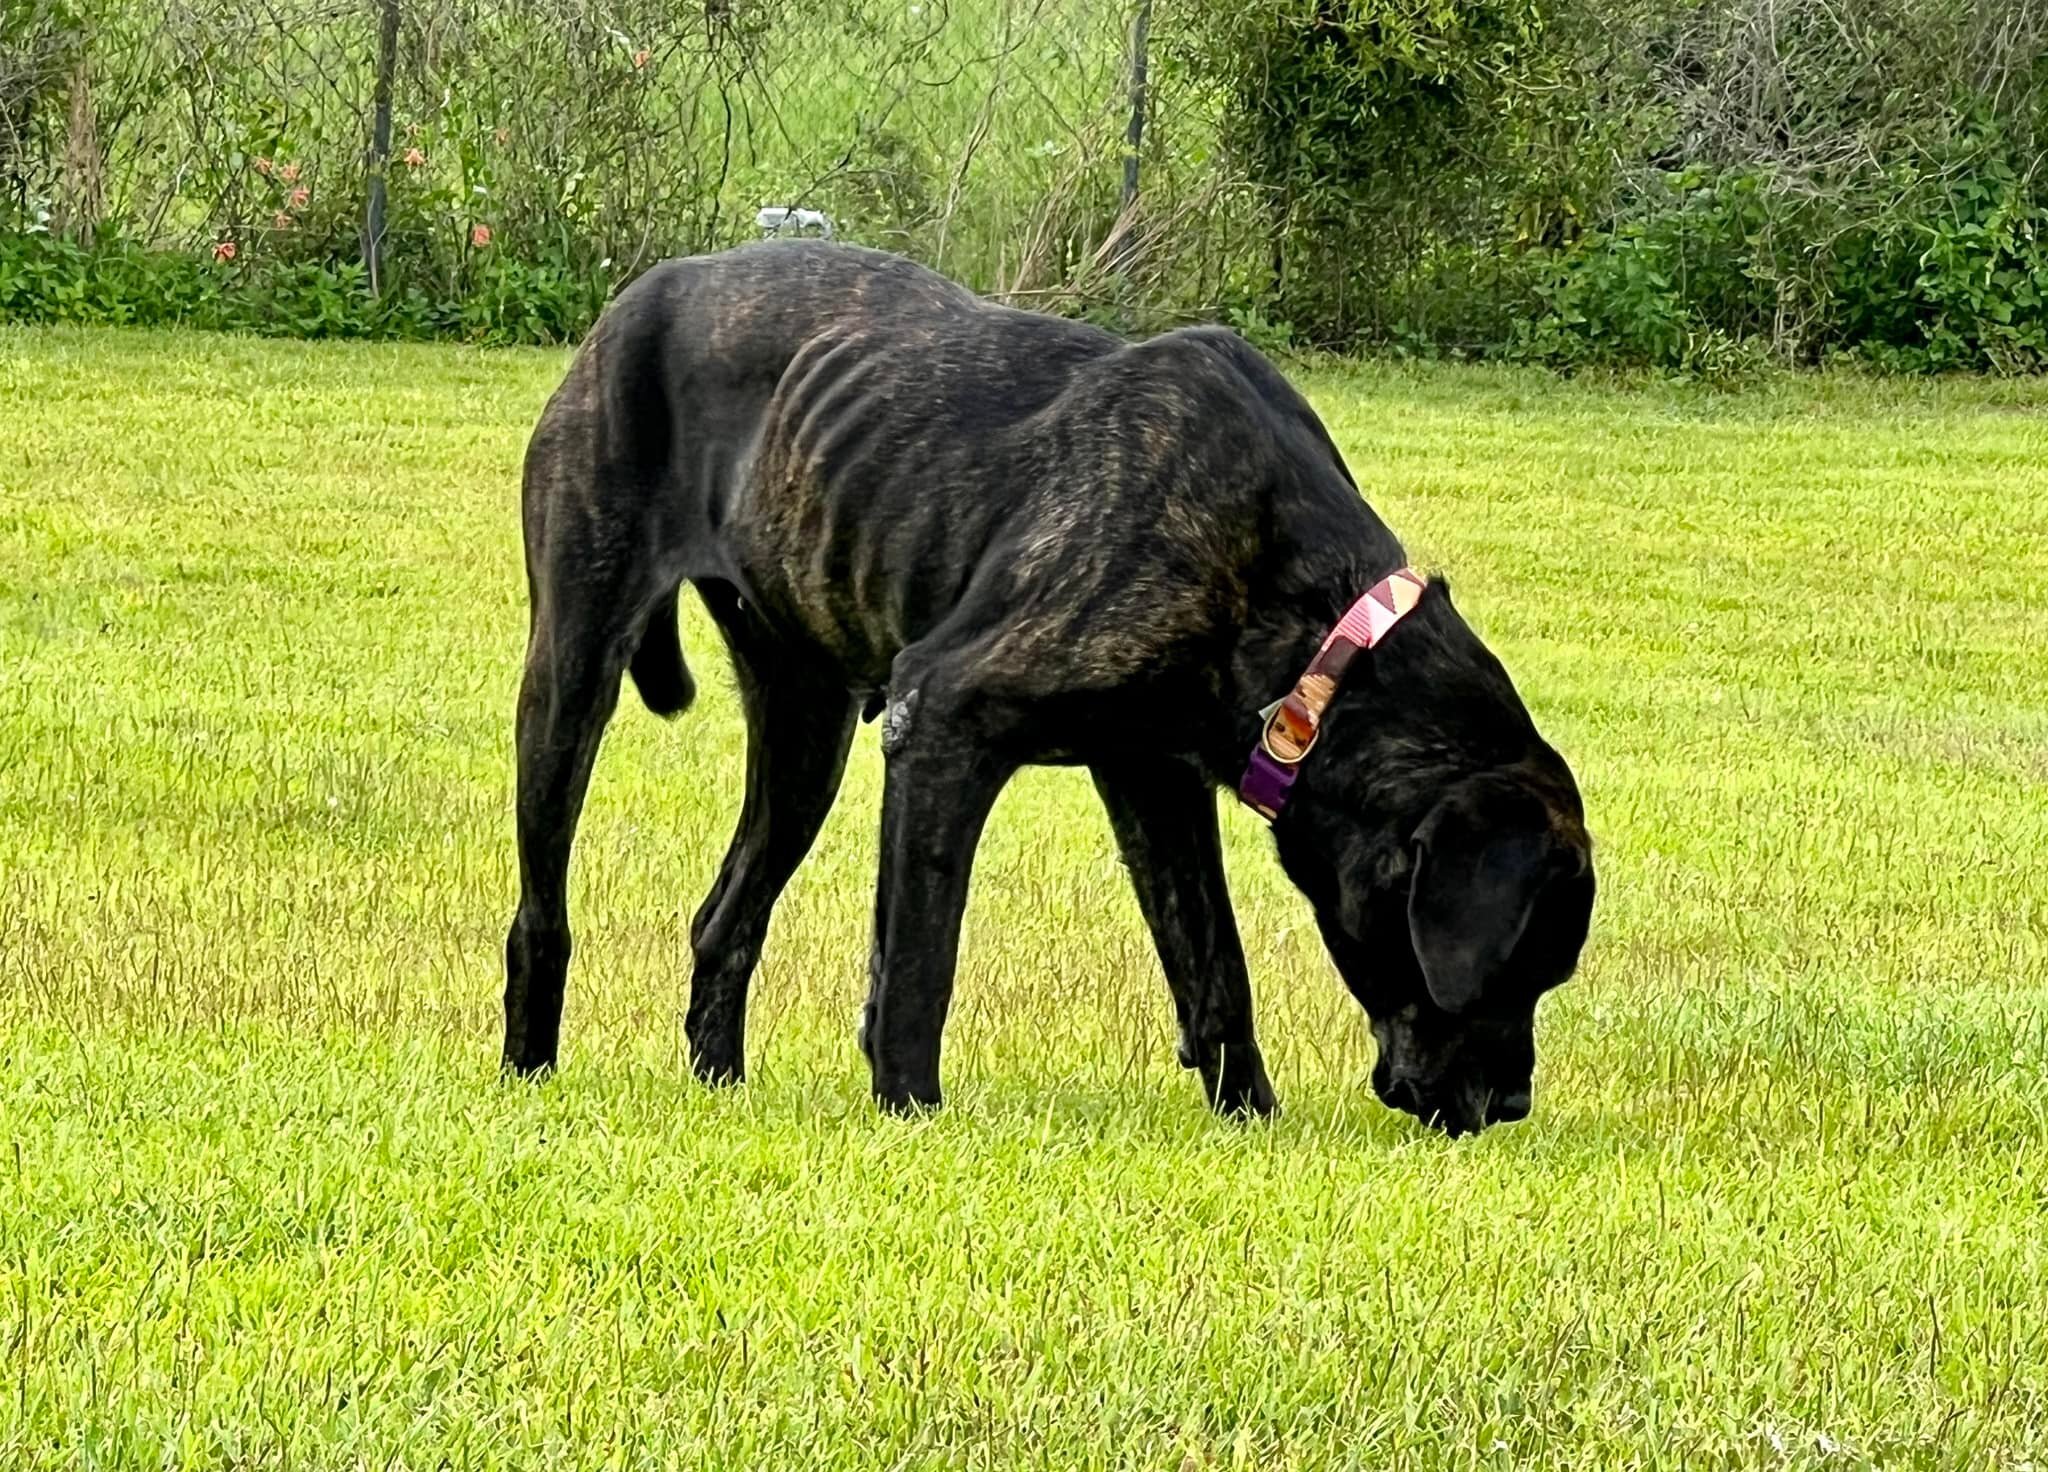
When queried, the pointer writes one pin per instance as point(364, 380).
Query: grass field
point(264, 1202)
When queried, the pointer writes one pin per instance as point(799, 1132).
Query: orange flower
point(640, 58)
point(479, 236)
point(414, 158)
point(289, 173)
point(223, 250)
point(299, 197)
point(280, 221)
point(503, 135)
point(263, 167)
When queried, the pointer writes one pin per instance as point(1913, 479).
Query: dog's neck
point(1323, 548)
point(1285, 628)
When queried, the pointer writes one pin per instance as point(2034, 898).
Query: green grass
point(264, 1203)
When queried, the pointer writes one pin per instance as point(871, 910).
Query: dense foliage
point(1684, 182)
point(1695, 184)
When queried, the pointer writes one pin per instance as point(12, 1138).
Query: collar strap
point(1289, 727)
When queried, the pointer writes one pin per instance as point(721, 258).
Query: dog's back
point(857, 446)
point(711, 376)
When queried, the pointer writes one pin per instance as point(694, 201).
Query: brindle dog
point(1018, 540)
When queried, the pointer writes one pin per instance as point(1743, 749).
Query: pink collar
point(1290, 726)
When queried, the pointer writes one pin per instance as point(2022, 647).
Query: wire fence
point(1033, 148)
point(1574, 180)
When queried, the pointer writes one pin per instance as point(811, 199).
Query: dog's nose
point(1508, 1108)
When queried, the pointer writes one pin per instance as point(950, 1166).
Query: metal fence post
point(380, 144)
point(1134, 135)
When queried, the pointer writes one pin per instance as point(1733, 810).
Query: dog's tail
point(659, 673)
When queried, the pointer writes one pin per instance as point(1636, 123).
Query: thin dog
point(1019, 539)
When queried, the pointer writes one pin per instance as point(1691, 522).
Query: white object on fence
point(778, 219)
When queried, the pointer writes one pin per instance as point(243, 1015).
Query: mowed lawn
point(264, 1201)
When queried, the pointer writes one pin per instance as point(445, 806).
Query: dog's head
point(1442, 844)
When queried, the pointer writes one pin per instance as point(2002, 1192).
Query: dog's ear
point(1480, 864)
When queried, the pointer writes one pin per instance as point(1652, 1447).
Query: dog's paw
point(1237, 1085)
point(906, 1102)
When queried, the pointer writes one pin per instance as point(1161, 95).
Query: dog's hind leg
point(570, 688)
point(799, 725)
point(599, 601)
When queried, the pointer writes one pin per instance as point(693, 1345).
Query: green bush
point(1361, 120)
point(1977, 276)
point(1689, 184)
point(43, 279)
point(116, 283)
point(1957, 278)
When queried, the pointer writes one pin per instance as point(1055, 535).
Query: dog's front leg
point(937, 792)
point(1164, 815)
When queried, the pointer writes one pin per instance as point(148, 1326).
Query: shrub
point(117, 283)
point(1683, 183)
